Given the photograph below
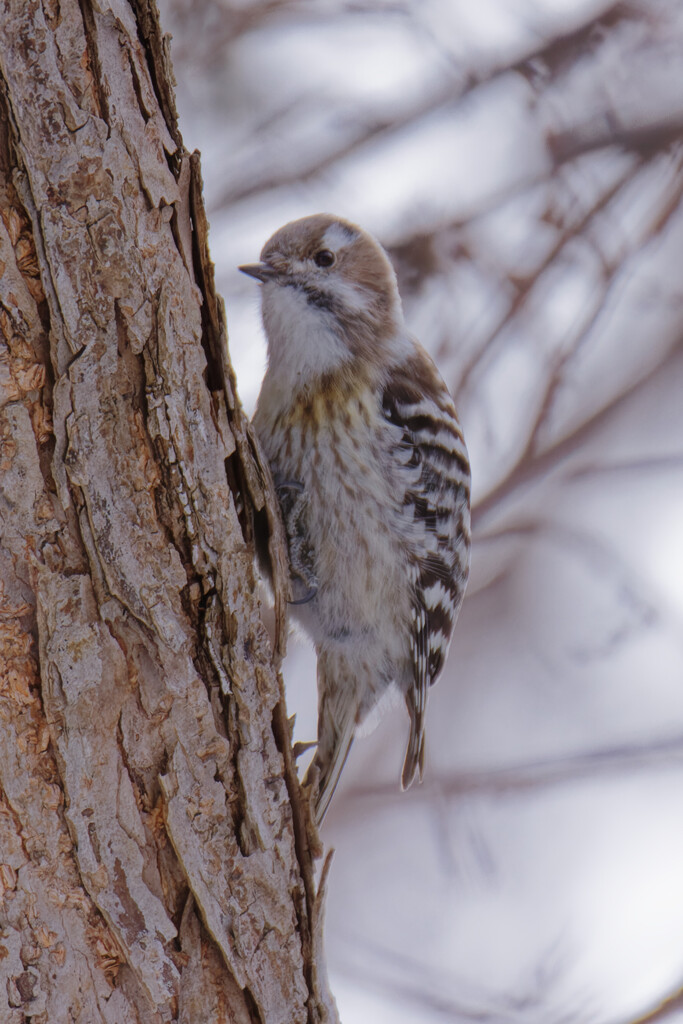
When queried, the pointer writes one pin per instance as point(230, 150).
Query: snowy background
point(522, 162)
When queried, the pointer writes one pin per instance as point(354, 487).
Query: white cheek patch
point(350, 295)
point(337, 236)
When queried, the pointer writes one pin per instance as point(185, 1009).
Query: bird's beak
point(261, 271)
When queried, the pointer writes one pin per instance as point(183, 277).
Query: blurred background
point(522, 162)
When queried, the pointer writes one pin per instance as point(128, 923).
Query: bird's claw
point(308, 596)
point(290, 485)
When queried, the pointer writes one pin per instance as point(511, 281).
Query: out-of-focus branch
point(447, 94)
point(409, 979)
point(526, 286)
point(612, 761)
point(667, 1010)
point(603, 131)
point(533, 461)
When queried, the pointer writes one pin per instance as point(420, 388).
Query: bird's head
point(325, 277)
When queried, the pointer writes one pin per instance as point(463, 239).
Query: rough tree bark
point(154, 862)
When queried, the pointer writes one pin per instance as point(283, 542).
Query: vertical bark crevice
point(157, 48)
point(94, 65)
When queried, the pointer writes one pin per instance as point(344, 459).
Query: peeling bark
point(154, 854)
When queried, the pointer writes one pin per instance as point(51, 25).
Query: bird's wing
point(432, 459)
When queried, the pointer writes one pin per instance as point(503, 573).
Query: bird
point(373, 478)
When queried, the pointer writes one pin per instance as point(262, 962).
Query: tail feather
point(337, 714)
point(415, 753)
point(330, 763)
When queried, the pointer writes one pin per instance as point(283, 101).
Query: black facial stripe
point(319, 299)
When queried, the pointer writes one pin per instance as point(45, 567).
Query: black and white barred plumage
point(373, 475)
point(437, 508)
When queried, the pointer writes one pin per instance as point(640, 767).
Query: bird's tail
point(337, 713)
point(415, 753)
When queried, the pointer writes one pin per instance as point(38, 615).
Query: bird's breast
point(340, 453)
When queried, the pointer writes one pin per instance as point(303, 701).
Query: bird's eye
point(324, 258)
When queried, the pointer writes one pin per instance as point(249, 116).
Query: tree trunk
point(154, 862)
